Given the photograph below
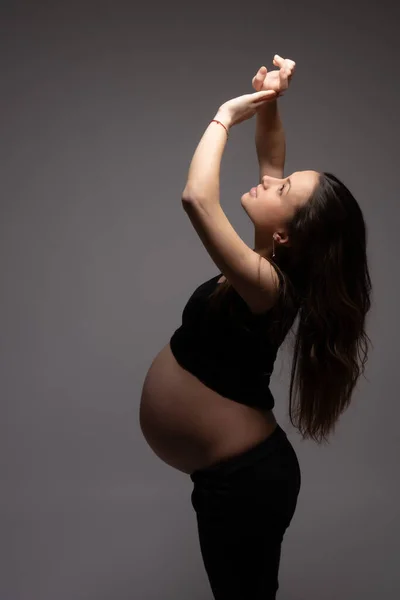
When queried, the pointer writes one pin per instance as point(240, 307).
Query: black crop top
point(235, 360)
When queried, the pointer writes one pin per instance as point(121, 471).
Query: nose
point(266, 179)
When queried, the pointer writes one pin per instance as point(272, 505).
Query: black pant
point(243, 506)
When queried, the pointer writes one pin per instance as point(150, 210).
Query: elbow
point(191, 194)
point(187, 201)
point(189, 198)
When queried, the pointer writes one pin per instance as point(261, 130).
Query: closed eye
point(283, 186)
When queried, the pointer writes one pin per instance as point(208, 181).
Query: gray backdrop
point(102, 107)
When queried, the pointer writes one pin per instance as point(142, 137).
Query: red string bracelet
point(215, 121)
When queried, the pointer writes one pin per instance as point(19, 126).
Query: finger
point(283, 74)
point(278, 60)
point(256, 83)
point(261, 74)
point(269, 95)
point(262, 94)
point(283, 79)
point(262, 71)
point(284, 62)
point(291, 67)
point(259, 77)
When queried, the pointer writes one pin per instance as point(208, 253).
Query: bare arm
point(270, 140)
point(270, 135)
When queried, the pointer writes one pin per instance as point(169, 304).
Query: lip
point(256, 190)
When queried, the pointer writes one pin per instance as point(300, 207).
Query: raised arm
point(270, 140)
point(270, 135)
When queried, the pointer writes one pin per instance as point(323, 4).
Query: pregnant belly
point(188, 425)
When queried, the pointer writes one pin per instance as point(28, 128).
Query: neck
point(261, 248)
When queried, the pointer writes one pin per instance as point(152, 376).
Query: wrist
point(225, 118)
point(268, 108)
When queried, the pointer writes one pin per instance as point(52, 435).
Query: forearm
point(204, 172)
point(270, 135)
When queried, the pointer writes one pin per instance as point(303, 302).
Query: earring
point(273, 247)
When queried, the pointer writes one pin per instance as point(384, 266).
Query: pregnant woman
point(206, 406)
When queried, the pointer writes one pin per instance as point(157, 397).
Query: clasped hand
point(269, 87)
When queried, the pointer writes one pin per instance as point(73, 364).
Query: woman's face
point(276, 200)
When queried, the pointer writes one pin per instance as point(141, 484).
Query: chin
point(246, 210)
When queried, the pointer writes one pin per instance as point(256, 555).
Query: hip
point(261, 483)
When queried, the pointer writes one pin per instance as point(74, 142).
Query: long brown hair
point(325, 282)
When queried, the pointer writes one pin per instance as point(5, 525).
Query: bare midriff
point(190, 426)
